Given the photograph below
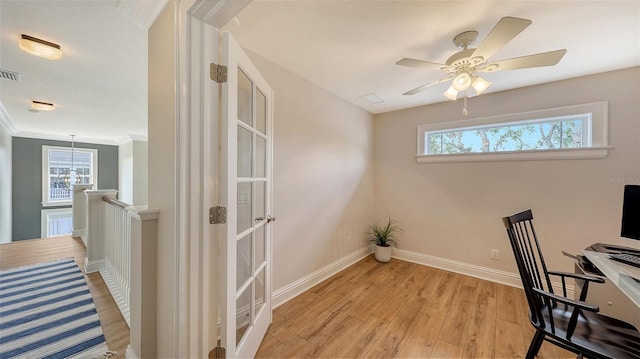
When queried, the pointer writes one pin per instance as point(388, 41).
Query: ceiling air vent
point(10, 75)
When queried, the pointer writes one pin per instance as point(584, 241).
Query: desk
point(619, 297)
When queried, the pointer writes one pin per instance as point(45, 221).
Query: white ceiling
point(350, 47)
point(99, 87)
point(347, 47)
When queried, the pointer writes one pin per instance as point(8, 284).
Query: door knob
point(271, 219)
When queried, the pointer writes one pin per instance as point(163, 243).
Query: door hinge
point(218, 352)
point(218, 215)
point(218, 73)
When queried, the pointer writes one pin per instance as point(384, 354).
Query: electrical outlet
point(495, 254)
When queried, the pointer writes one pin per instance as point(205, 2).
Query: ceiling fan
point(463, 66)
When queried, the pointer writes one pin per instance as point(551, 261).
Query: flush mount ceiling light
point(42, 106)
point(40, 48)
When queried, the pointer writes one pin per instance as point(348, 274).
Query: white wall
point(323, 175)
point(162, 168)
point(133, 170)
point(5, 185)
point(454, 210)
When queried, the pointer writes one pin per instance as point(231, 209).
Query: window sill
point(564, 154)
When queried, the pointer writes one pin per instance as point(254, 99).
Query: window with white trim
point(56, 222)
point(62, 167)
point(561, 133)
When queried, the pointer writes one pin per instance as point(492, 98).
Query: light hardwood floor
point(33, 251)
point(403, 310)
point(369, 310)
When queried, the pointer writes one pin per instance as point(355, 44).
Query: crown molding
point(44, 136)
point(5, 121)
point(131, 137)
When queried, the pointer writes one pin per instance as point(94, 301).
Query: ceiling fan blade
point(538, 60)
point(504, 31)
point(424, 87)
point(420, 64)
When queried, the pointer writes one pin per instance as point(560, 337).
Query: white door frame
point(196, 327)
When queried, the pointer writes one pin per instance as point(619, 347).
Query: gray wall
point(27, 180)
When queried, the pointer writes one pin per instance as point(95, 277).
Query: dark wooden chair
point(571, 324)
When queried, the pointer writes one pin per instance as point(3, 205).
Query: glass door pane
point(245, 98)
point(252, 203)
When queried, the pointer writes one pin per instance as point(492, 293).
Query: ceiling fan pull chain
point(464, 110)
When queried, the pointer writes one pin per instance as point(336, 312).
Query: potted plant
point(382, 238)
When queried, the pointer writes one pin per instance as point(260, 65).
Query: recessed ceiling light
point(40, 48)
point(42, 106)
point(371, 98)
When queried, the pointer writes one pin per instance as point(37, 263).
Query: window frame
point(47, 214)
point(597, 133)
point(46, 175)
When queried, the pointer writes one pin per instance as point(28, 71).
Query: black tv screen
point(631, 212)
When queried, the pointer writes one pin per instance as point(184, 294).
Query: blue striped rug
point(46, 311)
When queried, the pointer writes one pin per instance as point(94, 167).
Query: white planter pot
point(383, 254)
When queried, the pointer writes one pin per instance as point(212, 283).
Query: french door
point(245, 136)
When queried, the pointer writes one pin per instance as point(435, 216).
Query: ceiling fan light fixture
point(451, 93)
point(40, 48)
point(480, 85)
point(42, 106)
point(462, 81)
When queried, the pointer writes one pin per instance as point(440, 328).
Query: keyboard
point(626, 258)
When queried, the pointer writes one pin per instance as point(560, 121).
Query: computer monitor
point(631, 212)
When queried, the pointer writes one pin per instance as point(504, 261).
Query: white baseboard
point(298, 287)
point(490, 274)
point(78, 233)
point(129, 353)
point(93, 266)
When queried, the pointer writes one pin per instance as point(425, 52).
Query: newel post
point(94, 261)
point(142, 295)
point(79, 209)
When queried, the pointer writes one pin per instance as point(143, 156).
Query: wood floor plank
point(422, 338)
point(402, 310)
point(479, 341)
point(361, 338)
point(332, 338)
point(509, 340)
point(456, 323)
point(389, 343)
point(403, 292)
point(511, 297)
point(34, 251)
point(325, 321)
point(269, 344)
point(444, 350)
point(443, 294)
point(430, 282)
point(289, 348)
